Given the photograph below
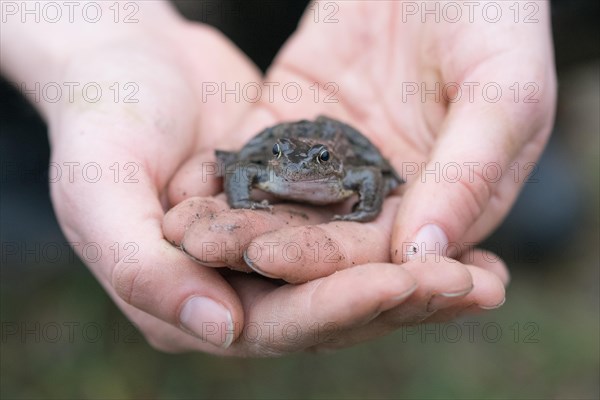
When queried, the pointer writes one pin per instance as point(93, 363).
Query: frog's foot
point(263, 205)
point(253, 205)
point(368, 183)
point(360, 213)
point(358, 216)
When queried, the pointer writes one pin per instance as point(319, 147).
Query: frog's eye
point(277, 150)
point(323, 156)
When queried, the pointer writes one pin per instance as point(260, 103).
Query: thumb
point(121, 220)
point(476, 169)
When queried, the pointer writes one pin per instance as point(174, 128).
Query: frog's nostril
point(293, 169)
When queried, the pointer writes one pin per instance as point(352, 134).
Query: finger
point(179, 219)
point(294, 317)
point(300, 254)
point(467, 186)
point(460, 290)
point(488, 294)
point(223, 238)
point(488, 261)
point(164, 336)
point(163, 282)
point(485, 290)
point(441, 283)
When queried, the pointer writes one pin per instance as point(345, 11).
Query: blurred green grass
point(548, 346)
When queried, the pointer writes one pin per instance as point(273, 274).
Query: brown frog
point(318, 162)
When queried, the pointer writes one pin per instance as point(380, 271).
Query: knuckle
point(267, 349)
point(477, 192)
point(125, 279)
point(456, 277)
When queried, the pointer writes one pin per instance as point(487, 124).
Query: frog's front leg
point(368, 183)
point(238, 182)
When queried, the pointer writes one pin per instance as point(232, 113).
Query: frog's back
point(360, 149)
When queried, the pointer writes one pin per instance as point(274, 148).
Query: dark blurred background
point(62, 336)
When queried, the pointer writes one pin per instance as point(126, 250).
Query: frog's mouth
point(276, 180)
point(293, 174)
point(291, 179)
point(307, 189)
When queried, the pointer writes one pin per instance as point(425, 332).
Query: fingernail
point(429, 240)
point(255, 267)
point(493, 307)
point(208, 320)
point(394, 301)
point(443, 300)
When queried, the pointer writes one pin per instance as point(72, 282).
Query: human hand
point(136, 143)
point(472, 133)
point(136, 147)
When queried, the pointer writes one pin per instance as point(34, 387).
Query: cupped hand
point(180, 305)
point(115, 156)
point(465, 142)
point(328, 295)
